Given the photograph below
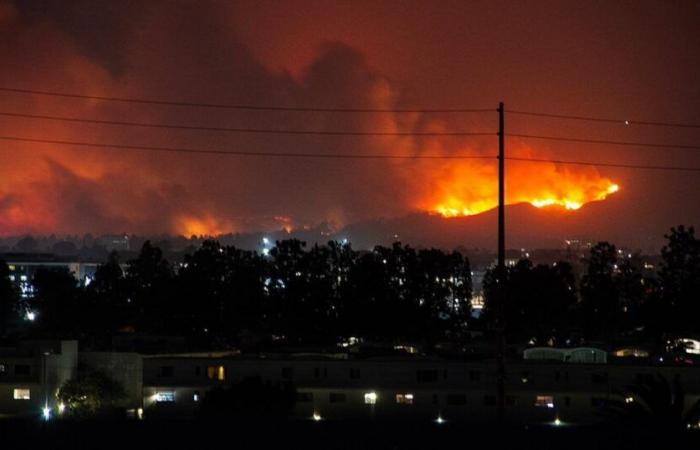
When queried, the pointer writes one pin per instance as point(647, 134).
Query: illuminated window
point(216, 373)
point(544, 401)
point(165, 397)
point(22, 394)
point(404, 399)
point(370, 398)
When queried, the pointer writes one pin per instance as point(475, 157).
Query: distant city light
point(317, 417)
point(30, 316)
point(546, 401)
point(439, 419)
point(266, 241)
point(370, 398)
point(46, 412)
point(165, 397)
point(61, 408)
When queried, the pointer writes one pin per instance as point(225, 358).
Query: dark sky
point(638, 60)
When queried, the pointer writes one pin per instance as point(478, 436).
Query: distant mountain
point(526, 227)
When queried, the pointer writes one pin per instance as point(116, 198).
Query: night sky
point(637, 60)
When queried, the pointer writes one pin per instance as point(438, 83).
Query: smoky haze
point(563, 57)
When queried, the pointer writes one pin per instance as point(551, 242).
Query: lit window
point(216, 373)
point(404, 399)
point(544, 401)
point(165, 397)
point(22, 394)
point(370, 398)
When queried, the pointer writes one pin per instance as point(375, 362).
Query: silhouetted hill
point(526, 227)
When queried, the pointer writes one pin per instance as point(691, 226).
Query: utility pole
point(501, 271)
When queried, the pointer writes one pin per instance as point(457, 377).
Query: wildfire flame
point(468, 189)
point(201, 226)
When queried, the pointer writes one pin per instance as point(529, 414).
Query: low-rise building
point(31, 374)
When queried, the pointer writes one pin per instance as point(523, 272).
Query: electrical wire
point(242, 130)
point(237, 152)
point(242, 106)
point(626, 122)
point(604, 142)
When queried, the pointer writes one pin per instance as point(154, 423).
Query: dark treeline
point(616, 298)
point(222, 295)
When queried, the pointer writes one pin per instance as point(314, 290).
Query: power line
point(337, 155)
point(605, 119)
point(239, 153)
point(604, 142)
point(604, 164)
point(241, 130)
point(242, 106)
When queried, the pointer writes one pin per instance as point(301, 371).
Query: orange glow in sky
point(467, 190)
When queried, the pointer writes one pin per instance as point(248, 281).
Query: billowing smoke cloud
point(189, 52)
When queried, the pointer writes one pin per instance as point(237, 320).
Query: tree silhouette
point(9, 300)
point(540, 300)
point(58, 302)
point(655, 401)
point(110, 305)
point(680, 279)
point(600, 297)
point(90, 393)
point(149, 279)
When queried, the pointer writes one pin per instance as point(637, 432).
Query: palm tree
point(655, 401)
